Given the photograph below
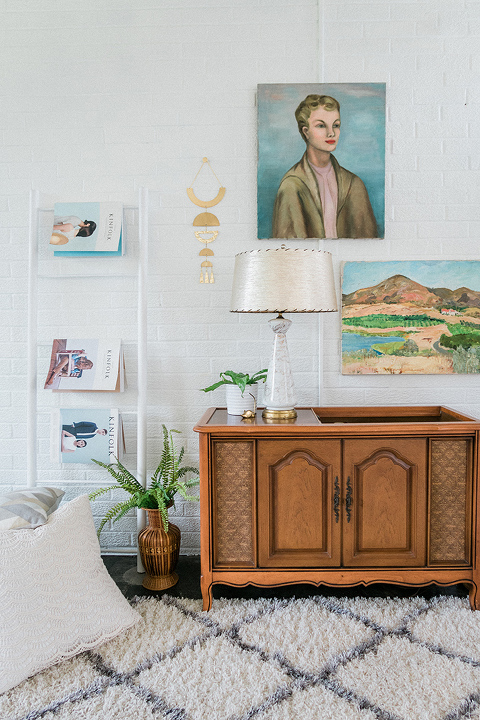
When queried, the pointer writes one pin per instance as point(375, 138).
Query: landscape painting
point(411, 317)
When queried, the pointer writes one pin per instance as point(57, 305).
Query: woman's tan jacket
point(297, 212)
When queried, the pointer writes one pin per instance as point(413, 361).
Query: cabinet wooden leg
point(474, 596)
point(207, 594)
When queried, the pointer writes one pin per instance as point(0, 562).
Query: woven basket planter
point(159, 551)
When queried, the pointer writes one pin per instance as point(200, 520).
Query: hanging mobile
point(205, 203)
point(206, 236)
point(204, 274)
point(206, 220)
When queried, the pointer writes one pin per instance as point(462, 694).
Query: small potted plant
point(159, 542)
point(241, 390)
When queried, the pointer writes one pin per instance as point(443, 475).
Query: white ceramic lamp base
point(280, 397)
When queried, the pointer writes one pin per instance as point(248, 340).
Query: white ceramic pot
point(236, 403)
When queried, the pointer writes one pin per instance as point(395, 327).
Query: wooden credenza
point(340, 497)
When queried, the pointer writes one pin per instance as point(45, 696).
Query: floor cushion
point(56, 596)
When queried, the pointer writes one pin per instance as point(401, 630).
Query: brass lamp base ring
point(279, 414)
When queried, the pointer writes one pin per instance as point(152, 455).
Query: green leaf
point(216, 385)
point(229, 377)
point(239, 379)
point(260, 375)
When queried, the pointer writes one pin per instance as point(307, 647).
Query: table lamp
point(282, 280)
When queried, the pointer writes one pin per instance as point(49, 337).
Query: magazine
point(87, 229)
point(80, 435)
point(86, 365)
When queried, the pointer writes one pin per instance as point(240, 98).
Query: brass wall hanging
point(206, 220)
point(206, 203)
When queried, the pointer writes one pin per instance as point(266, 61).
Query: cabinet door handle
point(336, 500)
point(349, 499)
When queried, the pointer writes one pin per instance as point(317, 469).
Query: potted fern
point(159, 542)
point(241, 390)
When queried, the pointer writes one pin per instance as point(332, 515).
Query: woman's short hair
point(311, 103)
point(87, 231)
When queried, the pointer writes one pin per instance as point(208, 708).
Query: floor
point(123, 570)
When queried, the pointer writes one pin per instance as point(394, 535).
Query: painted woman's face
point(323, 129)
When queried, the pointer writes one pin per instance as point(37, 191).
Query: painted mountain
point(407, 324)
point(401, 289)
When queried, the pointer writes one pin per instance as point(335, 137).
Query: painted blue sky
point(431, 273)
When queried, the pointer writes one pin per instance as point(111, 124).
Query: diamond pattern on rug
point(380, 610)
point(441, 629)
point(169, 628)
point(116, 703)
point(307, 635)
point(316, 703)
point(319, 658)
point(226, 680)
point(46, 687)
point(475, 715)
point(394, 677)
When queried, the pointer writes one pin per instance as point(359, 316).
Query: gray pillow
point(28, 508)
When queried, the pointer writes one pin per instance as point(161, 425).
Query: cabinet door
point(298, 503)
point(384, 518)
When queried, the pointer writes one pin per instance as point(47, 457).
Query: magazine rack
point(42, 264)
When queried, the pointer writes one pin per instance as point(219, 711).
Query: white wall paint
point(105, 97)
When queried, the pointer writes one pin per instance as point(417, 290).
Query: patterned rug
point(314, 659)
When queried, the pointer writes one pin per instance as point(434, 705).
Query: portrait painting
point(321, 160)
point(411, 317)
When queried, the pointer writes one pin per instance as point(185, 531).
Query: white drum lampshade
point(283, 280)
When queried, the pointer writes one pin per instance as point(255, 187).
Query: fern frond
point(182, 489)
point(160, 471)
point(129, 483)
point(190, 498)
point(191, 483)
point(101, 491)
point(170, 466)
point(187, 468)
point(164, 514)
point(162, 506)
point(112, 513)
point(128, 476)
point(128, 506)
point(160, 497)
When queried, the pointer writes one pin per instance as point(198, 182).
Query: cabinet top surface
point(344, 420)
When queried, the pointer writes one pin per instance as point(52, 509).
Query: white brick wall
point(101, 99)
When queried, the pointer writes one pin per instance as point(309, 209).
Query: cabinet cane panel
point(233, 509)
point(449, 506)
